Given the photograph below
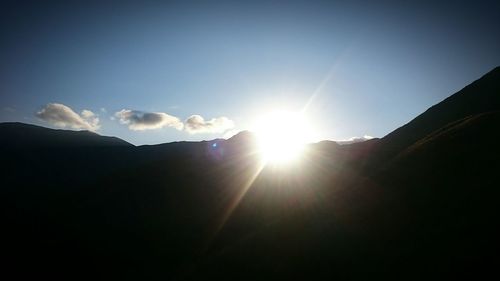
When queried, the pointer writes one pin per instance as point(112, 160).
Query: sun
point(282, 136)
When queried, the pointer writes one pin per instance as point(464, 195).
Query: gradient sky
point(369, 67)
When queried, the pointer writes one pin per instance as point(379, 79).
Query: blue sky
point(372, 67)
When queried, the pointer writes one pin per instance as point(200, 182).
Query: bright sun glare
point(282, 136)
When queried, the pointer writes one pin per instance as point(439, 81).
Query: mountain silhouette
point(416, 203)
point(29, 136)
point(478, 97)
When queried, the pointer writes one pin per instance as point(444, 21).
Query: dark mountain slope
point(431, 212)
point(86, 202)
point(434, 208)
point(42, 155)
point(429, 208)
point(483, 95)
point(28, 136)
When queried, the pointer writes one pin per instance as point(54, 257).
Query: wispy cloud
point(140, 120)
point(196, 124)
point(63, 116)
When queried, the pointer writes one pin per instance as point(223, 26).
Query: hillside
point(480, 96)
point(30, 136)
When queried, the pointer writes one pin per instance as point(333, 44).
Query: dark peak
point(16, 134)
point(325, 143)
point(25, 126)
point(243, 136)
point(241, 143)
point(88, 132)
point(19, 125)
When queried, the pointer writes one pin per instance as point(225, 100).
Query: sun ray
point(239, 196)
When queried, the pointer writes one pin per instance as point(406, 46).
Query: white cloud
point(195, 124)
point(62, 116)
point(139, 120)
point(87, 114)
point(355, 139)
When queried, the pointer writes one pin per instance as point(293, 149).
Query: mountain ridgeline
point(421, 202)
